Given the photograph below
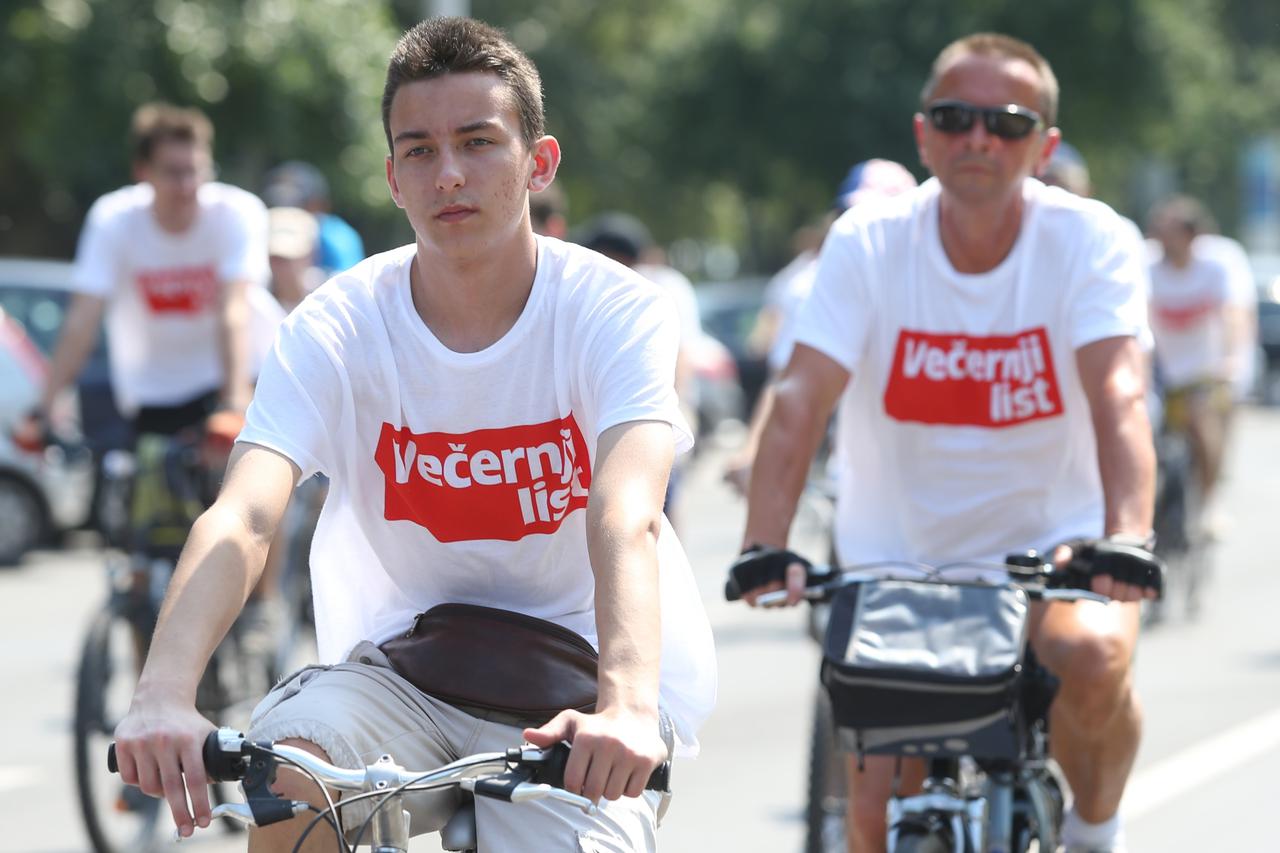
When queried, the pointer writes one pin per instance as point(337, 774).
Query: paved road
point(1205, 779)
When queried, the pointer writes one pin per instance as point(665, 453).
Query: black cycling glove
point(1123, 561)
point(759, 565)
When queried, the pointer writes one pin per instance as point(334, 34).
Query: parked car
point(718, 391)
point(729, 310)
point(49, 491)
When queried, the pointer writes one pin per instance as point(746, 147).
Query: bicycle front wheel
point(827, 799)
point(117, 817)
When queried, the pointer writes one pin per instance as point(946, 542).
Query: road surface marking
point(1182, 772)
point(14, 777)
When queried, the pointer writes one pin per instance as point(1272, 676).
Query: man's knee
point(292, 785)
point(1095, 670)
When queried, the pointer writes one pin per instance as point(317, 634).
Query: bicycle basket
point(923, 668)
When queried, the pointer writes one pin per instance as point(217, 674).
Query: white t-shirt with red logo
point(965, 432)
point(464, 477)
point(163, 289)
point(1188, 320)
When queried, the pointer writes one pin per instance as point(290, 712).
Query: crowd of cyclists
point(491, 417)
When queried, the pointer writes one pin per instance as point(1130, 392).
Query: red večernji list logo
point(961, 380)
point(488, 484)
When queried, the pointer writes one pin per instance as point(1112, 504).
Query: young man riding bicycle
point(980, 335)
point(497, 417)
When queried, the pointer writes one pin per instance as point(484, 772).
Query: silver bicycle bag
point(926, 668)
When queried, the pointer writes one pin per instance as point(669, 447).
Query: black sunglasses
point(1007, 122)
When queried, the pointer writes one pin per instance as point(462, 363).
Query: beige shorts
point(360, 710)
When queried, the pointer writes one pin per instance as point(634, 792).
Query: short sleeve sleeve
point(97, 265)
point(1110, 295)
point(630, 361)
point(246, 235)
point(296, 397)
point(837, 315)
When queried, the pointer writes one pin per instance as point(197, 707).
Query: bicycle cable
point(330, 814)
point(398, 790)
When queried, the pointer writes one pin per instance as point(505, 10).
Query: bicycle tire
point(826, 790)
point(106, 673)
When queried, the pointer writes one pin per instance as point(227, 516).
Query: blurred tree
point(281, 79)
point(721, 120)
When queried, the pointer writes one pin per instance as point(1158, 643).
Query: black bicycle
point(933, 663)
point(1181, 540)
point(119, 818)
point(519, 774)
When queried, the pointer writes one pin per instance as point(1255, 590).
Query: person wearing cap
point(292, 245)
point(301, 185)
point(981, 335)
point(867, 181)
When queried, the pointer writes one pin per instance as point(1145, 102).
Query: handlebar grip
point(660, 779)
point(219, 765)
point(551, 771)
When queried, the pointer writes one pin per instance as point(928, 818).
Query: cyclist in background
point(169, 260)
point(980, 335)
point(1204, 330)
point(302, 185)
point(176, 262)
point(496, 414)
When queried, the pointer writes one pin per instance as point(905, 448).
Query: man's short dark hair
point(157, 122)
point(1005, 47)
point(439, 46)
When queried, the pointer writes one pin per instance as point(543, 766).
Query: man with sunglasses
point(980, 335)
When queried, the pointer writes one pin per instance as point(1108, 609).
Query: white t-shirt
point(1188, 320)
point(163, 289)
point(464, 477)
point(965, 433)
point(1243, 288)
point(787, 301)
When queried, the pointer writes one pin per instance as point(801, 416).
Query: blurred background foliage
point(725, 121)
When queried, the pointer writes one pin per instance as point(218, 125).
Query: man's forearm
point(628, 616)
point(233, 325)
point(1126, 461)
point(788, 442)
point(219, 565)
point(78, 337)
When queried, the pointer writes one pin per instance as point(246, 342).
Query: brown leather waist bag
point(496, 660)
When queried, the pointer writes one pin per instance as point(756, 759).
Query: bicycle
point(990, 786)
point(1180, 539)
point(116, 818)
point(519, 774)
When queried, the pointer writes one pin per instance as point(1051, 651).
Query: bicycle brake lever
point(526, 791)
point(241, 813)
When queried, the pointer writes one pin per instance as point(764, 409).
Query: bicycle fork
point(980, 823)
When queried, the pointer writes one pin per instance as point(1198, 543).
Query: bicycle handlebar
point(1038, 581)
point(521, 773)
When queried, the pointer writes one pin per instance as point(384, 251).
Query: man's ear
point(546, 160)
point(917, 129)
point(1052, 137)
point(391, 183)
